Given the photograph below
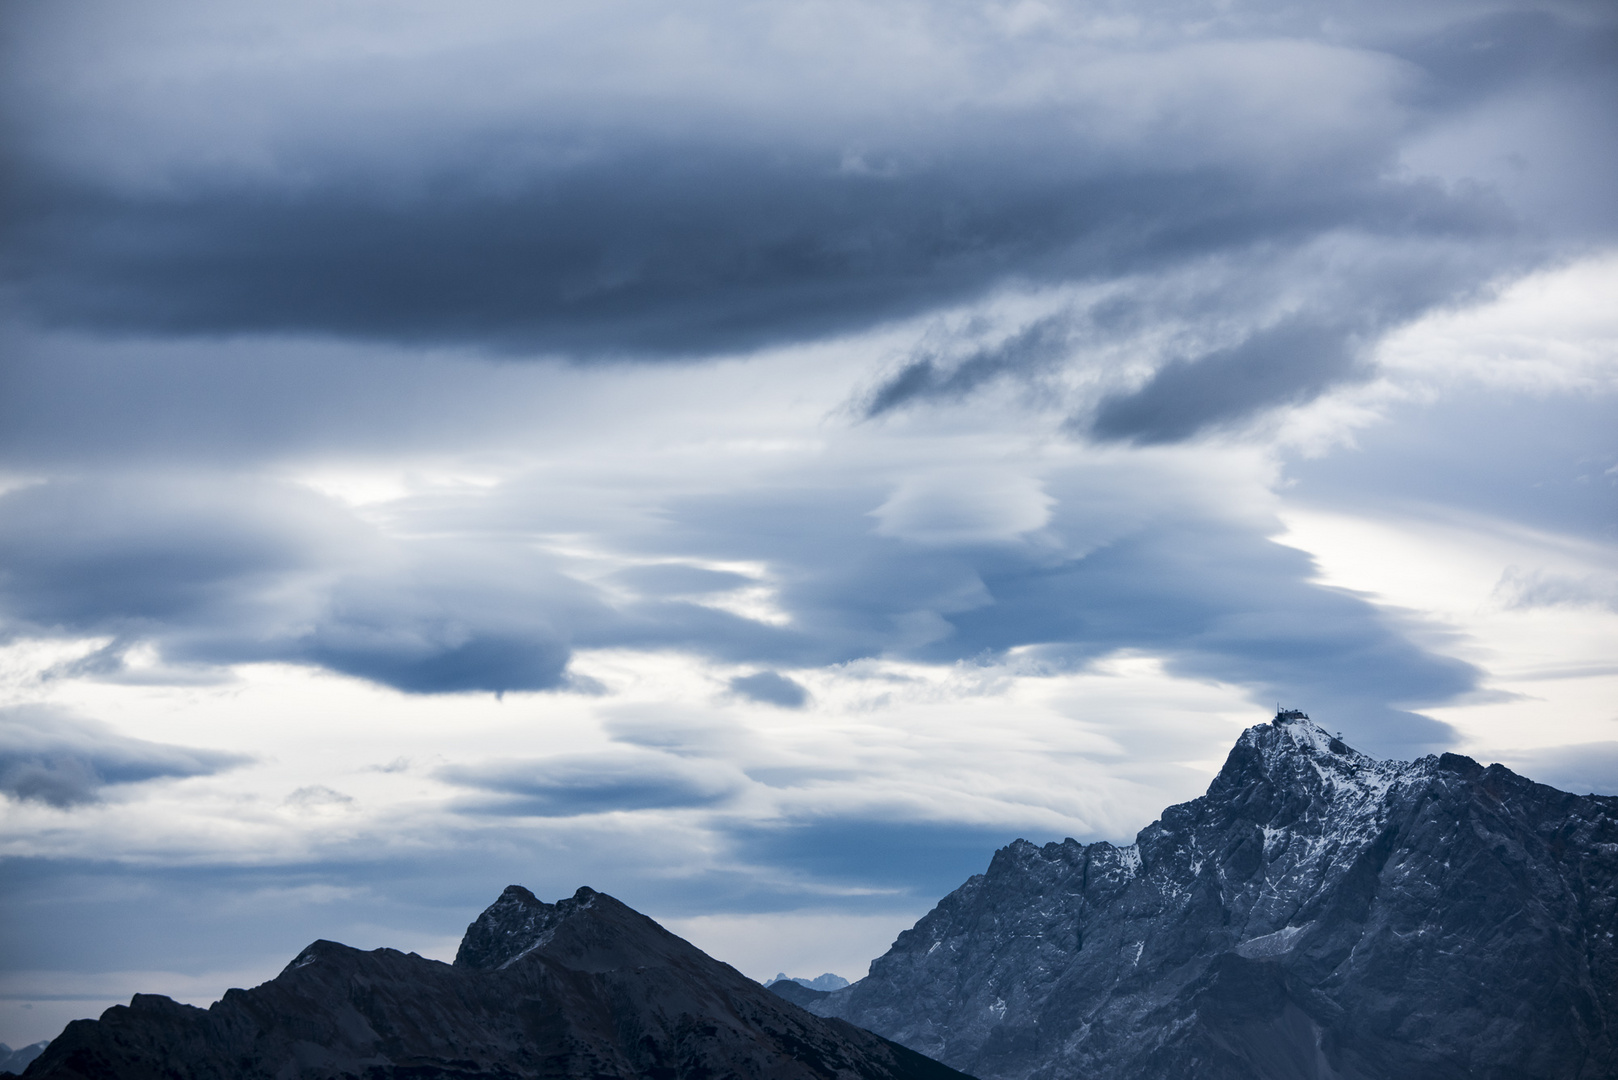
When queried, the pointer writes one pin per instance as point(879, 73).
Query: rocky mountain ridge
point(1317, 915)
point(584, 988)
point(826, 981)
point(17, 1060)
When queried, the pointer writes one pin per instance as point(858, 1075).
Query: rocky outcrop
point(1318, 915)
point(583, 988)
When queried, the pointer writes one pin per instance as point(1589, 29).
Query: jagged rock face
point(582, 988)
point(1318, 915)
point(514, 925)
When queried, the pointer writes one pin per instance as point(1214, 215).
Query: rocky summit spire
point(514, 925)
point(1317, 915)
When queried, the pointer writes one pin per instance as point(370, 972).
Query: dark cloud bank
point(564, 786)
point(50, 756)
point(637, 219)
point(771, 688)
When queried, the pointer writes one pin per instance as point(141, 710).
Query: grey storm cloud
point(576, 187)
point(565, 786)
point(51, 756)
point(771, 688)
point(1221, 338)
point(1224, 603)
point(199, 571)
point(930, 376)
point(105, 556)
point(1293, 361)
point(1216, 600)
point(218, 571)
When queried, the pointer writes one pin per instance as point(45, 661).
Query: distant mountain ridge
point(583, 988)
point(17, 1060)
point(827, 981)
point(805, 991)
point(1317, 915)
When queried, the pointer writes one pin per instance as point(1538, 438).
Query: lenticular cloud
point(556, 193)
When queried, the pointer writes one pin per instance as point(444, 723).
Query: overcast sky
point(757, 459)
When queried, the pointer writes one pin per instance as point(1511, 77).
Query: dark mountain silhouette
point(582, 988)
point(797, 993)
point(1318, 915)
point(803, 991)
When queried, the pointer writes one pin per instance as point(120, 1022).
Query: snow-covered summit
point(1294, 754)
point(1292, 735)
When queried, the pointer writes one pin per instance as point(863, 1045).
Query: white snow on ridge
point(1129, 859)
point(1344, 771)
point(543, 939)
point(1268, 945)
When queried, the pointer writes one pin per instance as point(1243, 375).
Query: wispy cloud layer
point(50, 756)
point(213, 572)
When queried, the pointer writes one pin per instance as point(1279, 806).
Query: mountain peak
point(1318, 913)
point(514, 925)
point(584, 987)
point(1275, 767)
point(1293, 732)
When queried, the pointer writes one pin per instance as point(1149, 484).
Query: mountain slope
point(586, 987)
point(1318, 914)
